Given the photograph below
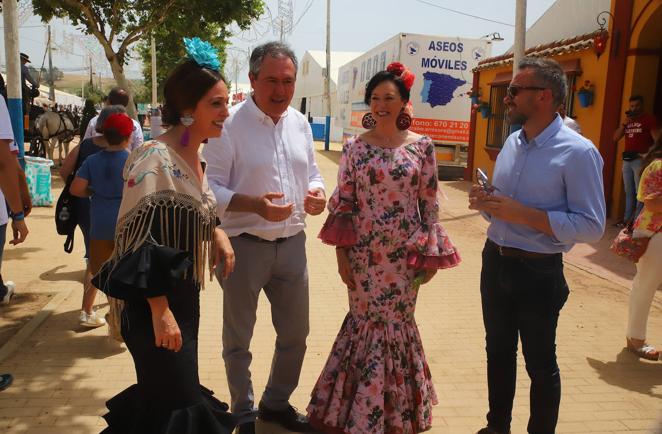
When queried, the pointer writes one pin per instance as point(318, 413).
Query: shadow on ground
point(13, 253)
point(630, 372)
point(23, 307)
point(44, 372)
point(53, 275)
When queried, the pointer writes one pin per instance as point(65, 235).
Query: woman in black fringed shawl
point(166, 235)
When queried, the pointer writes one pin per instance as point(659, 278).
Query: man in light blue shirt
point(548, 196)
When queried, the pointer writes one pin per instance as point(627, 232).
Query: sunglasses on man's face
point(512, 91)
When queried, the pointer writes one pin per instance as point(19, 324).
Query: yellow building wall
point(593, 69)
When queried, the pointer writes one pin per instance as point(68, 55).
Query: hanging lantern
point(600, 39)
point(600, 42)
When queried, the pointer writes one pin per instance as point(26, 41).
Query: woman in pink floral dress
point(383, 222)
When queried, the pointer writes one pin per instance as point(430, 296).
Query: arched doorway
point(645, 57)
point(641, 63)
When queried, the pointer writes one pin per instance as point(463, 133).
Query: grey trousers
point(280, 269)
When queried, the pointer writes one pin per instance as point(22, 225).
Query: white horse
point(55, 129)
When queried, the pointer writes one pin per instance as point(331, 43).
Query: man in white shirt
point(12, 183)
point(264, 176)
point(117, 96)
point(16, 189)
point(568, 121)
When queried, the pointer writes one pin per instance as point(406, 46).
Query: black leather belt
point(512, 252)
point(262, 240)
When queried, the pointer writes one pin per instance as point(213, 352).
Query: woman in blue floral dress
point(383, 222)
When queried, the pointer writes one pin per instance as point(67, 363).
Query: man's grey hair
point(274, 49)
point(105, 113)
point(550, 74)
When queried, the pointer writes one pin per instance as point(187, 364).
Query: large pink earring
point(368, 121)
point(187, 121)
point(403, 122)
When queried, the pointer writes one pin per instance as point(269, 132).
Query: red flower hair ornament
point(120, 123)
point(398, 69)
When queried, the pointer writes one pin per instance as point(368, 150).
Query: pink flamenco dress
point(384, 211)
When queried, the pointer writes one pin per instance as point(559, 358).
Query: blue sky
point(356, 25)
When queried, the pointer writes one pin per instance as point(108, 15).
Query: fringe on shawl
point(135, 228)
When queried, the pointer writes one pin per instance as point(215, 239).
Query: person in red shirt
point(640, 131)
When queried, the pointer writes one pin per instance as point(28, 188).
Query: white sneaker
point(91, 320)
point(10, 292)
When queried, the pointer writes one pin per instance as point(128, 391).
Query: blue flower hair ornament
point(202, 53)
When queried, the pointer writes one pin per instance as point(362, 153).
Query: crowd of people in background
point(155, 215)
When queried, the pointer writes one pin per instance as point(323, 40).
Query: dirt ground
point(28, 300)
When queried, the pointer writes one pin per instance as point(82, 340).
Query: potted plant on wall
point(474, 95)
point(586, 93)
point(483, 108)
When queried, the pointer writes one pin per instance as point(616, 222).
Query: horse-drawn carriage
point(45, 129)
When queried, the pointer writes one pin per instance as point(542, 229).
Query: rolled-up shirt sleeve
point(137, 137)
point(219, 154)
point(584, 220)
point(315, 179)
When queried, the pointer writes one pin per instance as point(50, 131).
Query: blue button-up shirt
point(559, 172)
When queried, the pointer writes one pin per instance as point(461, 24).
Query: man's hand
point(503, 208)
point(20, 231)
point(271, 211)
point(477, 196)
point(224, 253)
point(509, 210)
point(314, 202)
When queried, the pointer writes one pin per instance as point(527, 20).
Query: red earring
point(403, 122)
point(368, 121)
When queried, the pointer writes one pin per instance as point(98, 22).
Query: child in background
point(100, 178)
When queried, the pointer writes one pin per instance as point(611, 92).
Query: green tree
point(170, 49)
point(118, 24)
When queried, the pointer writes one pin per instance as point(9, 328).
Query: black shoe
point(5, 381)
point(289, 418)
point(488, 430)
point(246, 428)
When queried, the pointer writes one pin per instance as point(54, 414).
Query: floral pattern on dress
point(385, 210)
point(650, 187)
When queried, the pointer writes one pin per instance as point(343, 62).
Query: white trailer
point(440, 100)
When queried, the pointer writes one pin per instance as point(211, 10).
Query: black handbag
point(66, 217)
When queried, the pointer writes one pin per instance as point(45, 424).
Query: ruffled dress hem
point(129, 414)
point(392, 392)
point(417, 261)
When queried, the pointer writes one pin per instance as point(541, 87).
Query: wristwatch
point(17, 216)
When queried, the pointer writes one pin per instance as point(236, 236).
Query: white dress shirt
point(136, 138)
point(253, 157)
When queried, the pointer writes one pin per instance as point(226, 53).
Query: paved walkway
point(64, 373)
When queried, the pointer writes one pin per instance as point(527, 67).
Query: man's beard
point(515, 118)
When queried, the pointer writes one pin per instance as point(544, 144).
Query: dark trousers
point(522, 296)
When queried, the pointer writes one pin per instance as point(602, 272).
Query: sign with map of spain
point(443, 67)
